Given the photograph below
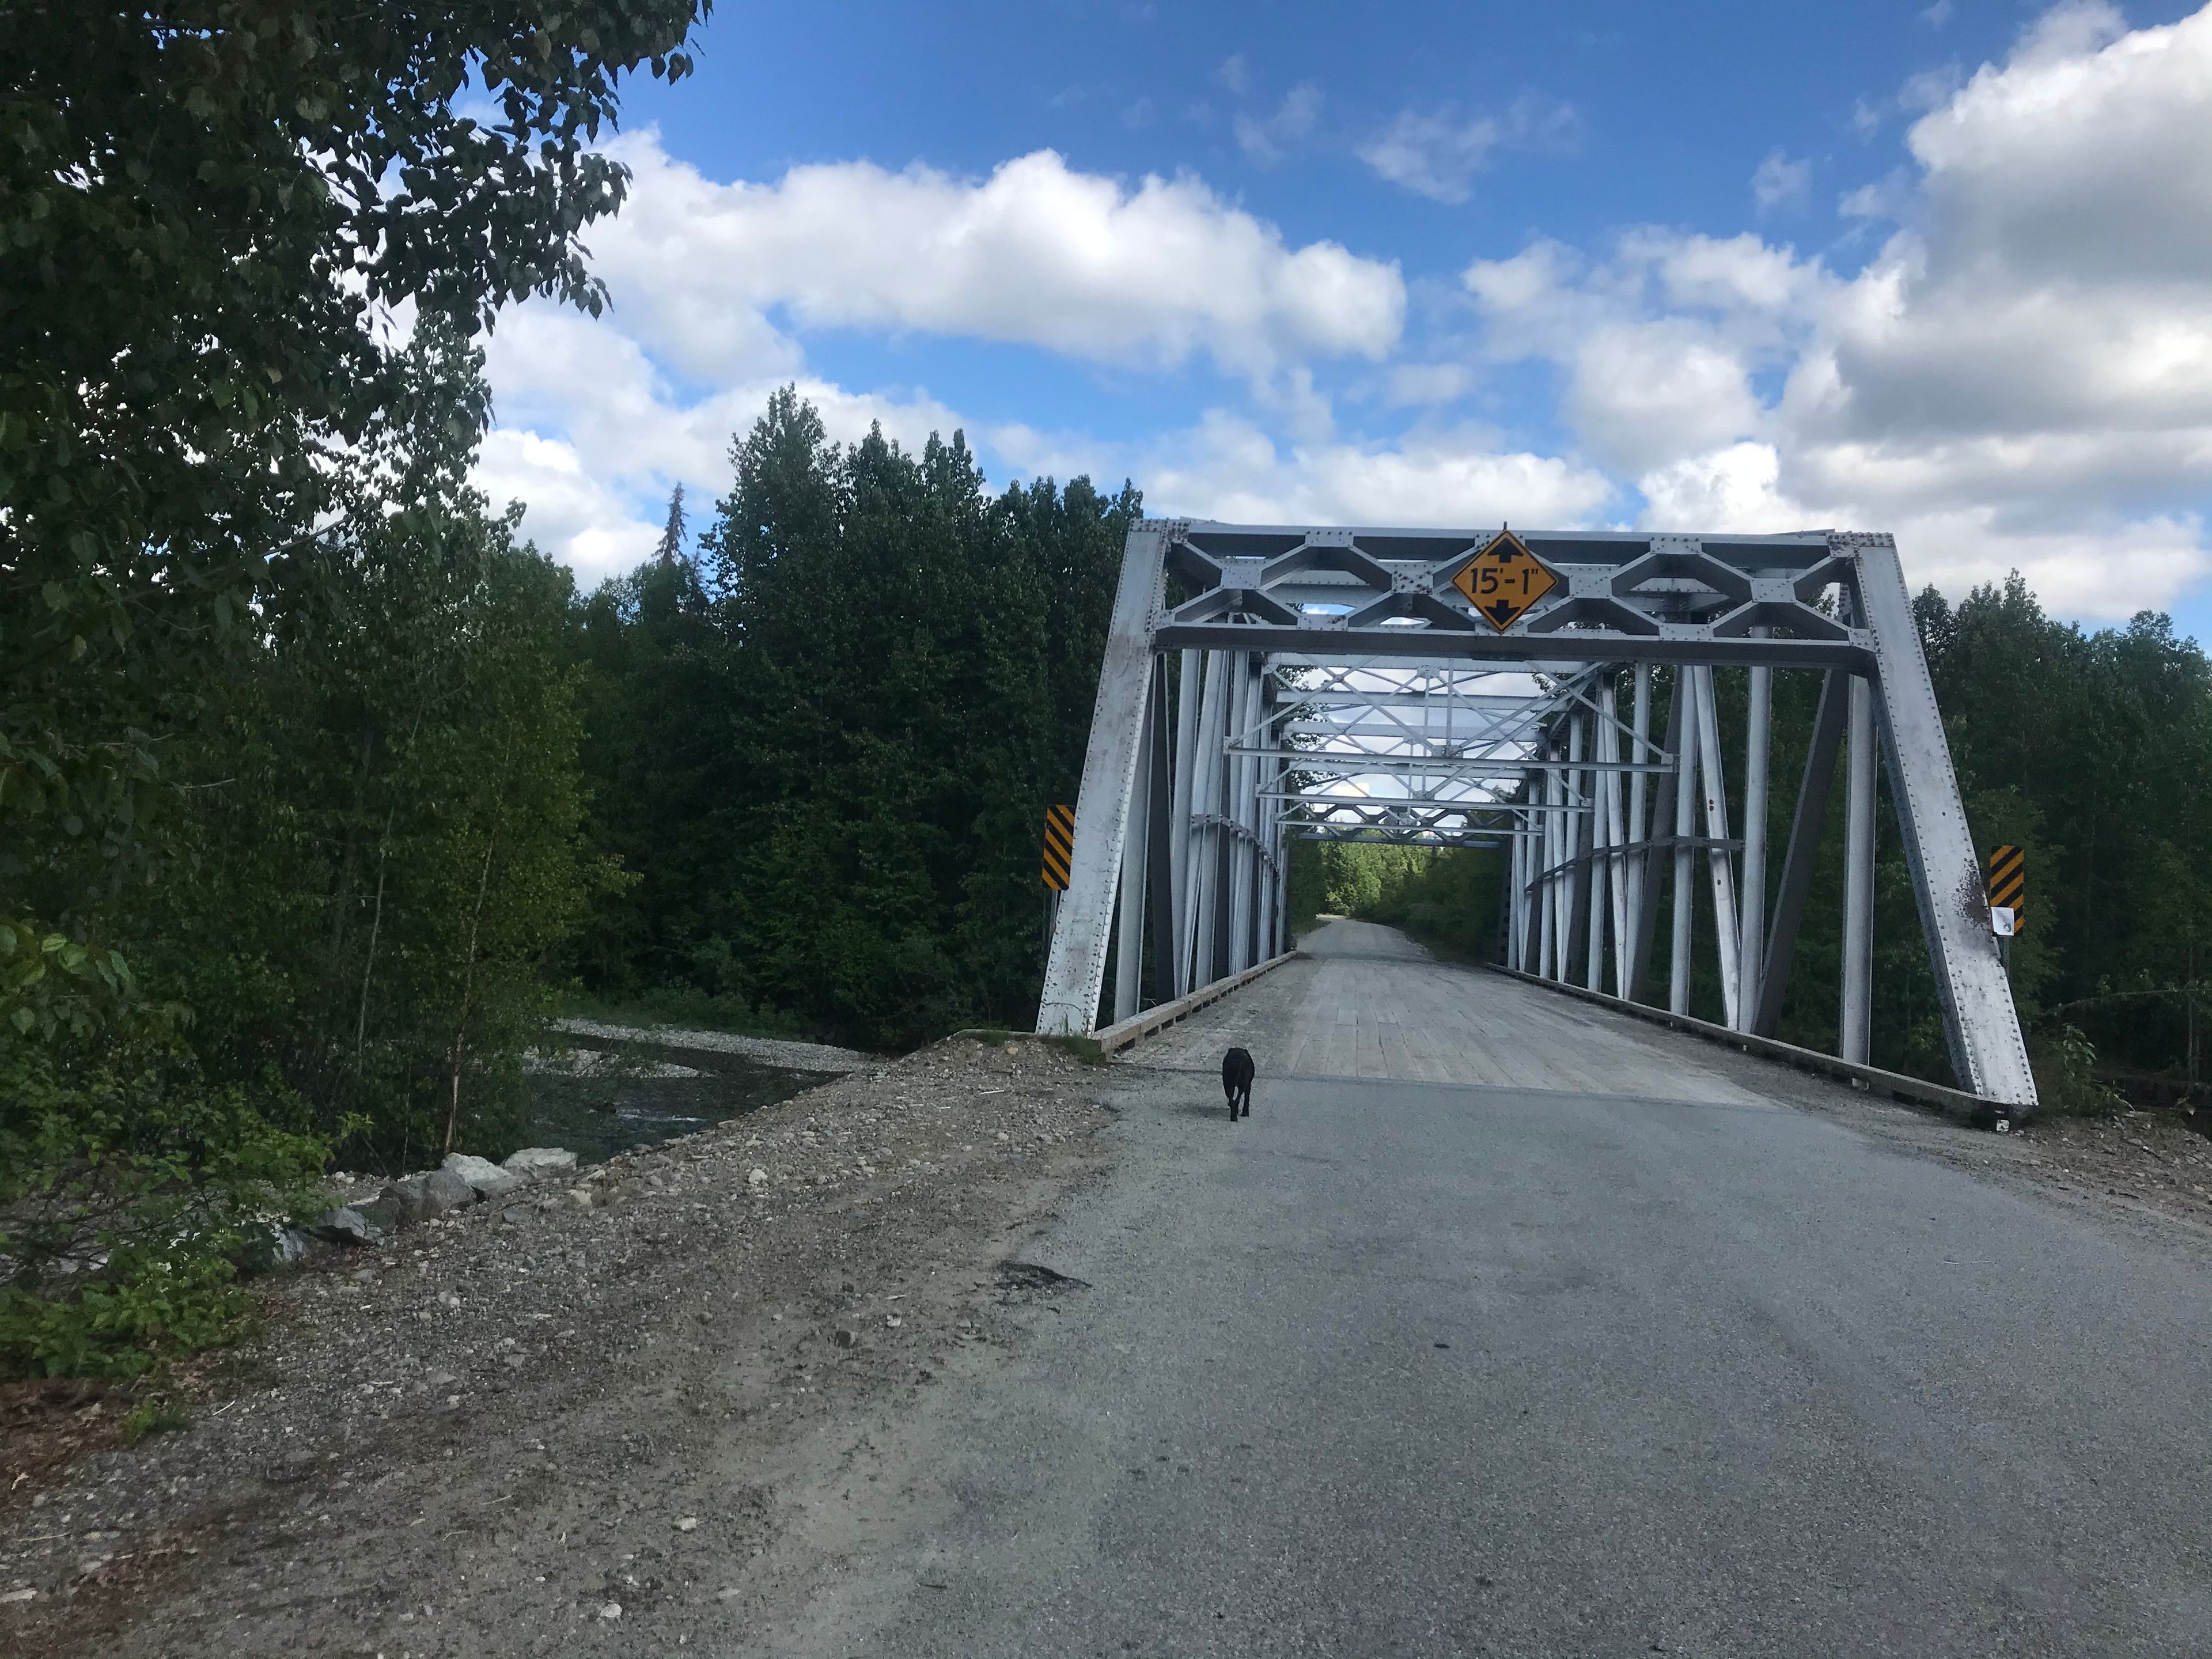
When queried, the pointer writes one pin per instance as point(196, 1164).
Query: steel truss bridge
point(1263, 683)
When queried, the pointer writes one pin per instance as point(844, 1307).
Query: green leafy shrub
point(2066, 1081)
point(131, 1187)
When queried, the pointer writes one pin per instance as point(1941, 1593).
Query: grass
point(156, 1415)
point(1083, 1049)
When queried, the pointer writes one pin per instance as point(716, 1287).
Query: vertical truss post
point(1619, 863)
point(1857, 1013)
point(1161, 876)
point(1751, 925)
point(1266, 874)
point(1281, 842)
point(1715, 782)
point(1601, 841)
point(1136, 850)
point(1253, 866)
point(1514, 895)
point(1647, 879)
point(1232, 811)
point(1979, 1020)
point(1532, 901)
point(1804, 847)
point(1548, 923)
point(1571, 891)
point(1186, 777)
point(1637, 865)
point(1686, 826)
point(1206, 833)
point(1075, 967)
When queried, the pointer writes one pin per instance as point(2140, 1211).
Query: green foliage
point(156, 1415)
point(1448, 896)
point(287, 725)
point(390, 844)
point(829, 751)
point(1083, 1050)
point(130, 1185)
point(205, 209)
point(2066, 1079)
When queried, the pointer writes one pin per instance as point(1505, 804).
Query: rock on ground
point(474, 1437)
point(485, 1178)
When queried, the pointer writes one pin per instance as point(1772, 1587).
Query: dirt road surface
point(1002, 1354)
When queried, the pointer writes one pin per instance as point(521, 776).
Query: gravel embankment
point(537, 1428)
point(769, 1051)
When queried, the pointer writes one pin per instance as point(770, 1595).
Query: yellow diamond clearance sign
point(1504, 582)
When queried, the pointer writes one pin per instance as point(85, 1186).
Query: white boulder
point(535, 1163)
point(485, 1178)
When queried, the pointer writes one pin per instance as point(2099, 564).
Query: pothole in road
point(1015, 1276)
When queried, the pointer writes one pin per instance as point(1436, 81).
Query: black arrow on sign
point(1501, 613)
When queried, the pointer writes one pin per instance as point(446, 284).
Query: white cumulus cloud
point(2021, 377)
point(1227, 467)
point(716, 285)
point(1148, 275)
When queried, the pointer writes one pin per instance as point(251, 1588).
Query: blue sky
point(1941, 269)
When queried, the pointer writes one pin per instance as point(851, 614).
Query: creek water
point(598, 1100)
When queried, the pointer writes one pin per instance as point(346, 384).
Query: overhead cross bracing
point(1263, 683)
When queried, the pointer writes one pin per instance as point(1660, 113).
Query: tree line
point(826, 741)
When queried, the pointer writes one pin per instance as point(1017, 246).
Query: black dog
point(1236, 1082)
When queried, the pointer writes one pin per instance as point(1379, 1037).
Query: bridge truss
point(1264, 682)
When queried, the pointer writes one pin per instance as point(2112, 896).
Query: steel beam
point(1855, 1029)
point(1166, 923)
point(1206, 837)
point(1713, 786)
point(1751, 921)
point(1136, 851)
point(1548, 920)
point(1186, 779)
point(1695, 646)
point(1647, 925)
point(1075, 967)
point(1601, 840)
point(1577, 837)
point(1685, 795)
point(1987, 1052)
point(1798, 862)
point(1636, 868)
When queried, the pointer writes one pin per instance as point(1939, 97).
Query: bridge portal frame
point(1274, 698)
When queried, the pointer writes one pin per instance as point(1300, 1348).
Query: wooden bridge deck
point(1370, 1003)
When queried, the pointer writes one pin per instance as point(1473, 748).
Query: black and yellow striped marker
point(2009, 883)
point(1059, 846)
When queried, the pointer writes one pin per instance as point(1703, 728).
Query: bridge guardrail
point(1138, 1027)
point(1976, 1111)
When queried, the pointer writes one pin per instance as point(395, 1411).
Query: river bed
point(597, 1100)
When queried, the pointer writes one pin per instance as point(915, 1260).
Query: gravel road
point(1694, 1355)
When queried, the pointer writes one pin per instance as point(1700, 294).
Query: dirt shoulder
point(568, 1427)
point(2137, 1166)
